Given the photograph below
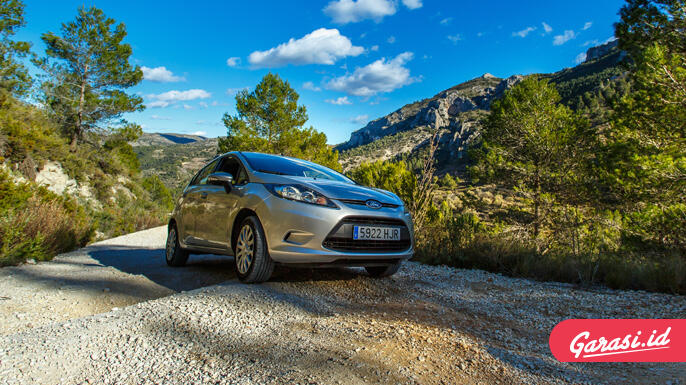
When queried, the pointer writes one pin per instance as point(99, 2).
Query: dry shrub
point(60, 229)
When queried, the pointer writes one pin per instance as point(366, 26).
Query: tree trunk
point(78, 130)
point(74, 141)
point(537, 207)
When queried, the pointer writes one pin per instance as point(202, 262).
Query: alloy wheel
point(245, 249)
point(171, 244)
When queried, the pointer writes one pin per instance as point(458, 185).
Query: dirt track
point(424, 325)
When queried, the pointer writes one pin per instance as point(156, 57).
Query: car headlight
point(296, 192)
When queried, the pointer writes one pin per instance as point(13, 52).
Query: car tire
point(175, 255)
point(251, 257)
point(382, 271)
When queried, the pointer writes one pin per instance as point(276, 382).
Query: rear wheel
point(382, 271)
point(253, 263)
point(176, 256)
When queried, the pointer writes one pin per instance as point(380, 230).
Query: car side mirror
point(221, 179)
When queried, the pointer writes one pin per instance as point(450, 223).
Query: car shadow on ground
point(200, 270)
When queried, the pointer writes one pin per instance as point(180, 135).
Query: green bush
point(37, 224)
point(591, 250)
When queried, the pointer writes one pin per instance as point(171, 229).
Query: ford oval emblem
point(373, 204)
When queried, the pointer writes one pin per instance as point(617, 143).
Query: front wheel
point(176, 256)
point(253, 263)
point(382, 271)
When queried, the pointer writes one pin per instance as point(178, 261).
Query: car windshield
point(280, 165)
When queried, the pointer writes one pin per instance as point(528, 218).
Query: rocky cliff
point(454, 113)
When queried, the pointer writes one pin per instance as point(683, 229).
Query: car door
point(192, 207)
point(215, 225)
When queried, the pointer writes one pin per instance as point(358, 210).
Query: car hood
point(339, 190)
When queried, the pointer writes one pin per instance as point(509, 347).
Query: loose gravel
point(424, 325)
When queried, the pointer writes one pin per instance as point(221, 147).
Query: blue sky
point(350, 61)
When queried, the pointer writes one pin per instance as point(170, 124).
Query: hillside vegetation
point(576, 176)
point(68, 173)
point(173, 161)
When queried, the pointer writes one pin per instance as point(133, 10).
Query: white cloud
point(351, 11)
point(234, 91)
point(479, 34)
point(380, 76)
point(547, 28)
point(310, 86)
point(391, 40)
point(199, 133)
point(233, 61)
point(160, 74)
point(609, 39)
point(322, 46)
point(565, 37)
point(587, 26)
point(454, 38)
point(203, 104)
point(157, 117)
point(188, 107)
point(524, 32)
point(412, 4)
point(340, 101)
point(157, 104)
point(360, 119)
point(593, 42)
point(446, 21)
point(374, 48)
point(170, 97)
point(580, 58)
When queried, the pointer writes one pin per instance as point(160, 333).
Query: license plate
point(376, 233)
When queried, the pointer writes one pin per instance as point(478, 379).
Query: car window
point(234, 167)
point(201, 177)
point(242, 176)
point(229, 165)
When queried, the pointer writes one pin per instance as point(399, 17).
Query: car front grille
point(358, 202)
point(340, 239)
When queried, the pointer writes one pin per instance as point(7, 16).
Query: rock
point(31, 261)
point(601, 50)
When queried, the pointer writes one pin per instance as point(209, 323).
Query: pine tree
point(533, 144)
point(270, 120)
point(13, 75)
point(90, 70)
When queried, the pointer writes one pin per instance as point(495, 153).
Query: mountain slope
point(457, 112)
point(173, 157)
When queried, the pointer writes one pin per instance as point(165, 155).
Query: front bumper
point(298, 232)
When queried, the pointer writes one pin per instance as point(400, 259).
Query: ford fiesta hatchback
point(268, 209)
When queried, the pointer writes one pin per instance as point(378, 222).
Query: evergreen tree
point(13, 75)
point(533, 144)
point(270, 120)
point(644, 161)
point(90, 70)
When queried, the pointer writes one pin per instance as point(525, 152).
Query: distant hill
point(173, 157)
point(159, 139)
point(457, 113)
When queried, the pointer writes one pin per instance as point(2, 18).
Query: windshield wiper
point(272, 172)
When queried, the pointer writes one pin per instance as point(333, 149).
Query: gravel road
point(114, 313)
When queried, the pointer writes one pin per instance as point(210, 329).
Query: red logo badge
point(619, 340)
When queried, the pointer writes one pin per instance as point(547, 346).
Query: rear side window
point(201, 177)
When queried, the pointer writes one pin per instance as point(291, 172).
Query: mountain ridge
point(456, 113)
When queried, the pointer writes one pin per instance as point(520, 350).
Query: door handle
point(203, 195)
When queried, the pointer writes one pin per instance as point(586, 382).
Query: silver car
point(268, 209)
